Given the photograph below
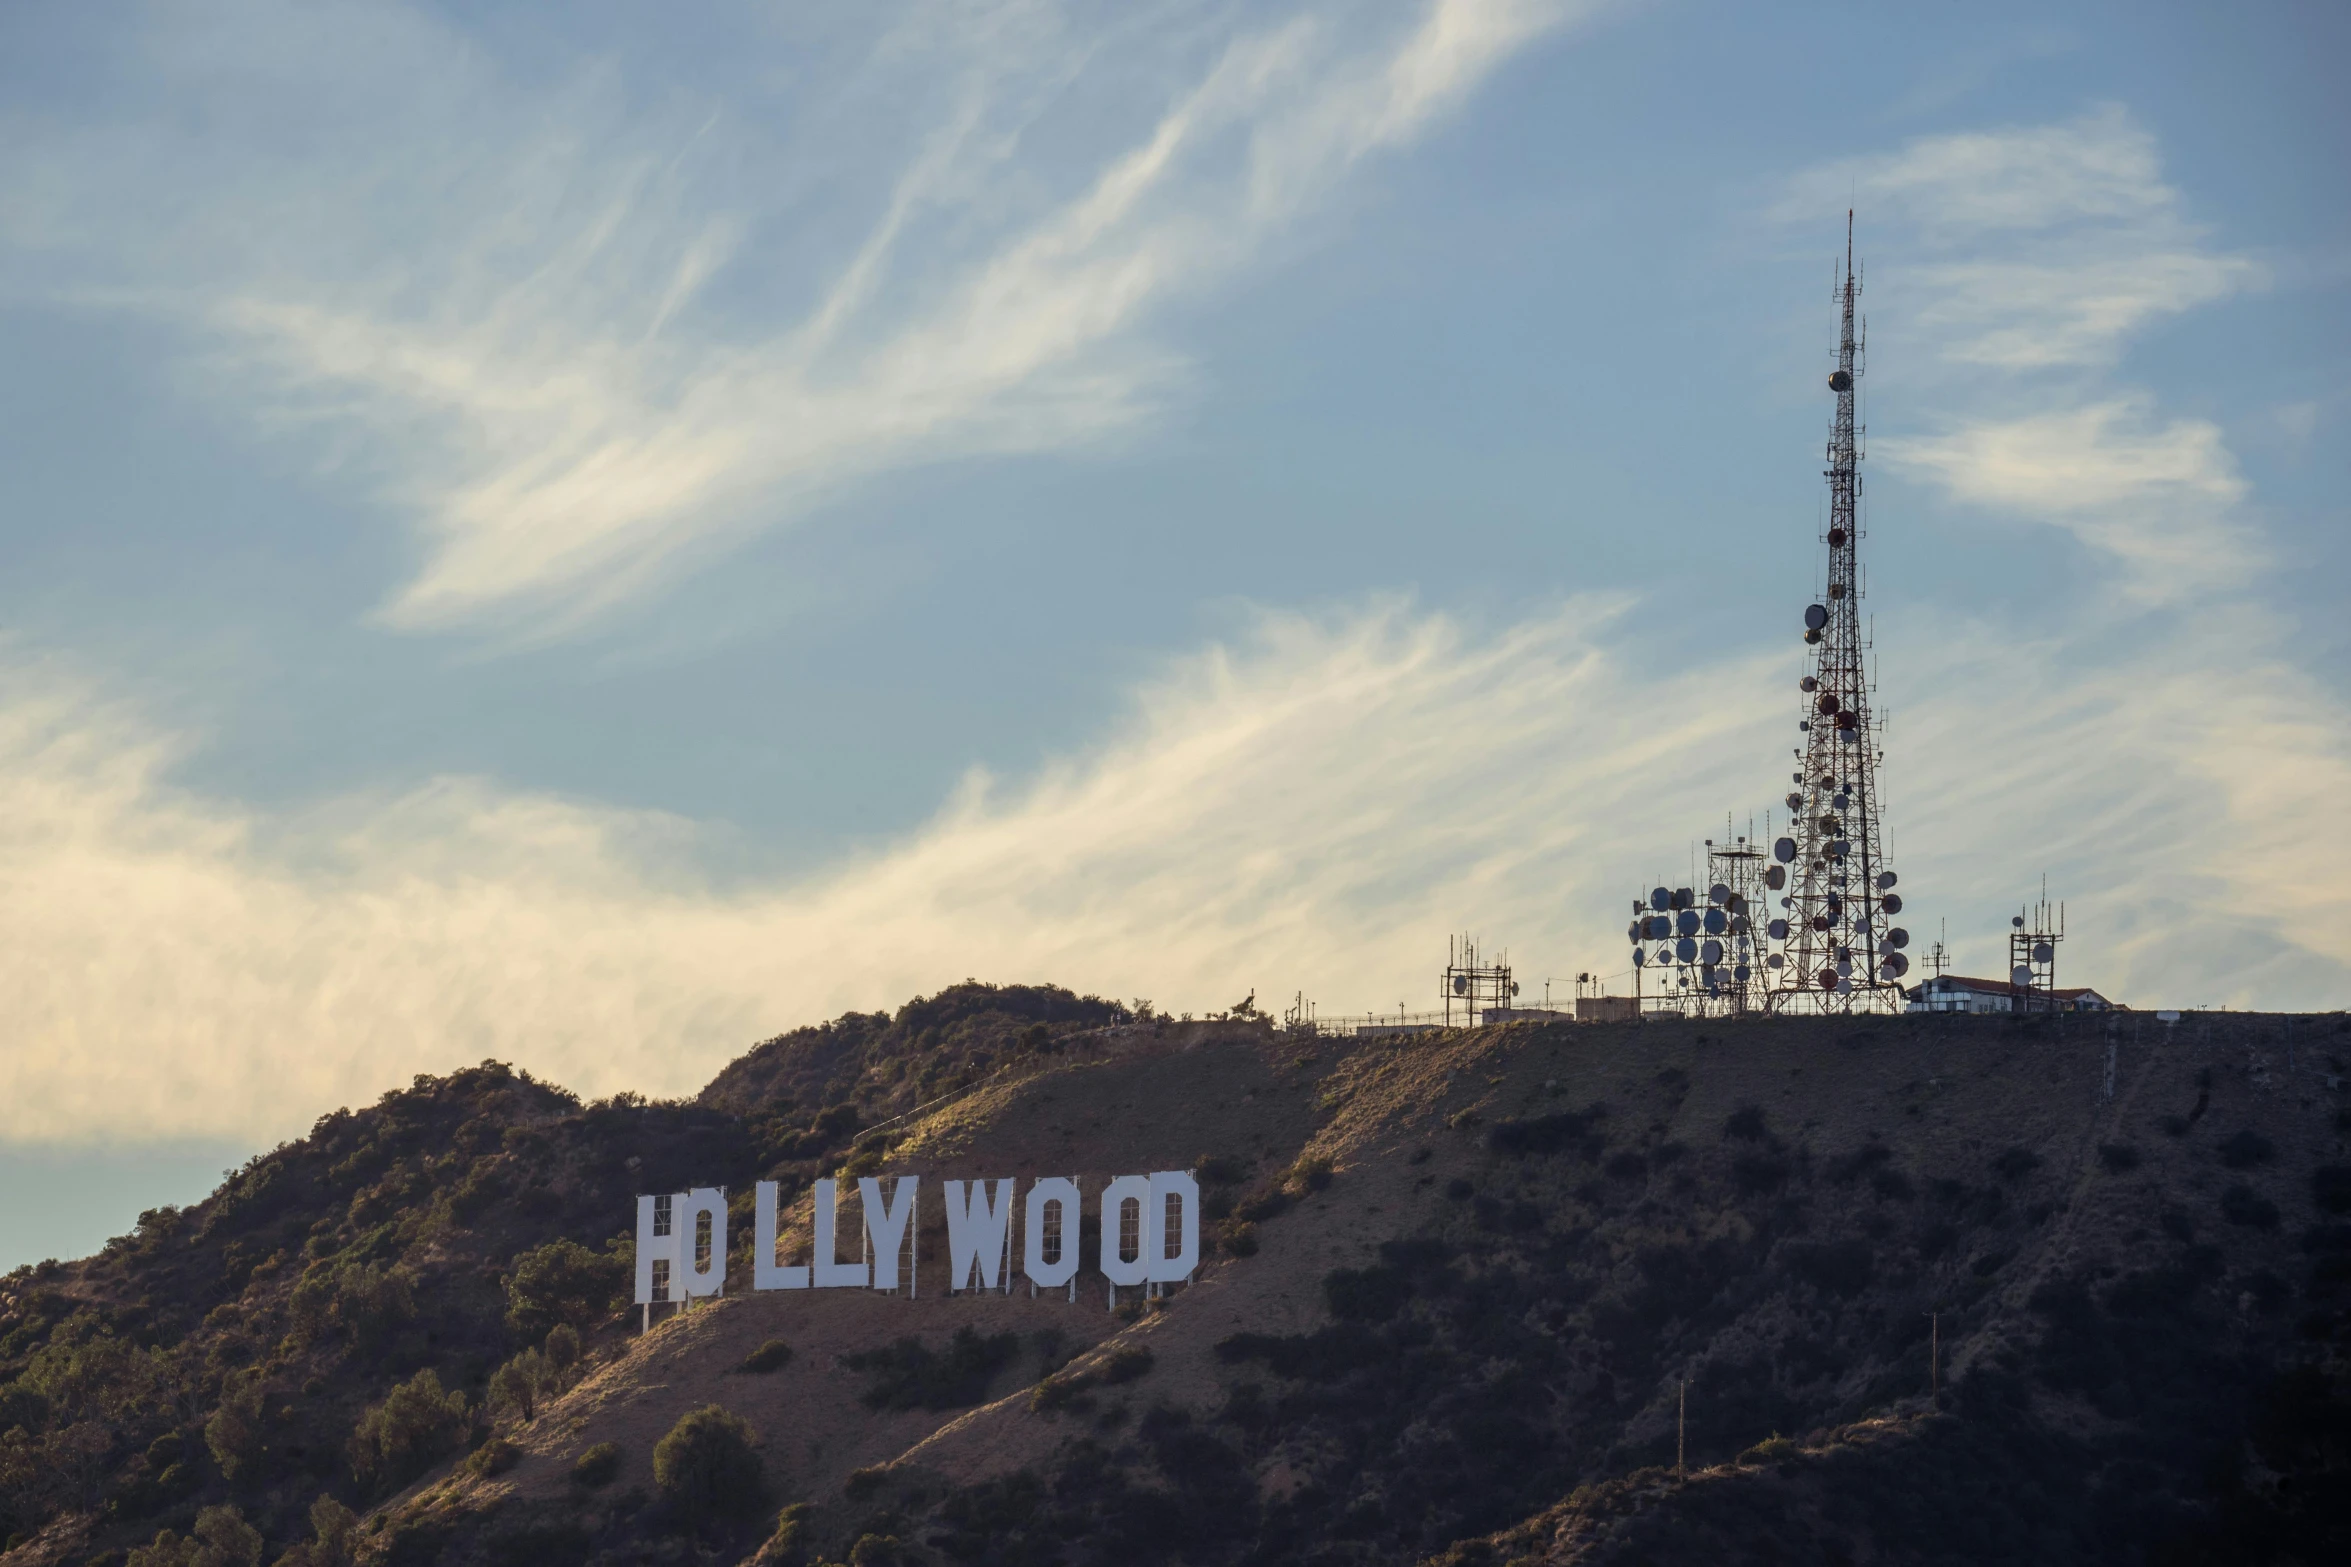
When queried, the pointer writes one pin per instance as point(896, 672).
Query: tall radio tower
point(1839, 950)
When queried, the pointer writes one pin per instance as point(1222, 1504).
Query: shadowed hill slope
point(1454, 1288)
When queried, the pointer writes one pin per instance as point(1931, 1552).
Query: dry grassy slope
point(1946, 1096)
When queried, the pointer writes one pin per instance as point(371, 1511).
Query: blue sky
point(573, 535)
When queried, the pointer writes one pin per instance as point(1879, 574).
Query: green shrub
point(234, 1434)
point(598, 1466)
point(373, 1303)
point(788, 1546)
point(563, 1348)
point(221, 1538)
point(333, 1541)
point(773, 1355)
point(707, 1467)
point(1311, 1174)
point(908, 1375)
point(516, 1385)
point(561, 1282)
point(1124, 1364)
point(1773, 1449)
point(398, 1439)
point(493, 1457)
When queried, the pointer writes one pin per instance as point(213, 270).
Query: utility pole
point(1681, 1434)
point(1935, 1353)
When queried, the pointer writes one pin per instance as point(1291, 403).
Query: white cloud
point(2030, 248)
point(511, 291)
point(2025, 261)
point(1313, 808)
point(2160, 500)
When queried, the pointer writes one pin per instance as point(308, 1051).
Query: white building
point(1958, 993)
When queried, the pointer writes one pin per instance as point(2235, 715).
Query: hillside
point(1452, 1290)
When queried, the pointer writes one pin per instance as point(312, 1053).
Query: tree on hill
point(707, 1466)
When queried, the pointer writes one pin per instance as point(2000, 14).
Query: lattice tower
point(1838, 948)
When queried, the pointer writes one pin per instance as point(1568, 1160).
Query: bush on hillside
point(561, 1282)
point(909, 1375)
point(398, 1439)
point(596, 1467)
point(773, 1355)
point(221, 1538)
point(707, 1467)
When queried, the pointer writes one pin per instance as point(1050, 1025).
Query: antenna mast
point(1839, 951)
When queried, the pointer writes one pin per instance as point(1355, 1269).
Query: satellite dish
point(1773, 961)
point(1718, 893)
point(1639, 957)
point(1711, 953)
point(1660, 899)
point(1892, 901)
point(1808, 684)
point(1514, 987)
point(1828, 979)
point(1820, 922)
point(1836, 536)
point(1686, 922)
point(1861, 922)
point(1777, 930)
point(1897, 937)
point(1737, 904)
point(1683, 897)
point(1839, 849)
point(1784, 851)
point(1840, 381)
point(1839, 802)
point(1685, 949)
point(2043, 952)
point(1795, 802)
point(1633, 932)
point(1844, 986)
point(1895, 966)
point(1815, 616)
point(2018, 922)
point(1828, 824)
point(1460, 985)
point(1886, 879)
point(1776, 877)
point(1660, 927)
point(1811, 637)
point(1716, 924)
point(1827, 702)
point(1740, 973)
point(2020, 975)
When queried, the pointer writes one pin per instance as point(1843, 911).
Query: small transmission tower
point(2033, 936)
point(1478, 988)
point(1839, 951)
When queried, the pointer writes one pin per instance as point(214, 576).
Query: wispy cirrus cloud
point(580, 350)
point(2040, 247)
point(2031, 257)
point(1312, 806)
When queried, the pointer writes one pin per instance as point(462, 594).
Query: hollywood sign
point(1149, 1227)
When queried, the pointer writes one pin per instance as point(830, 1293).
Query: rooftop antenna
point(1840, 951)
